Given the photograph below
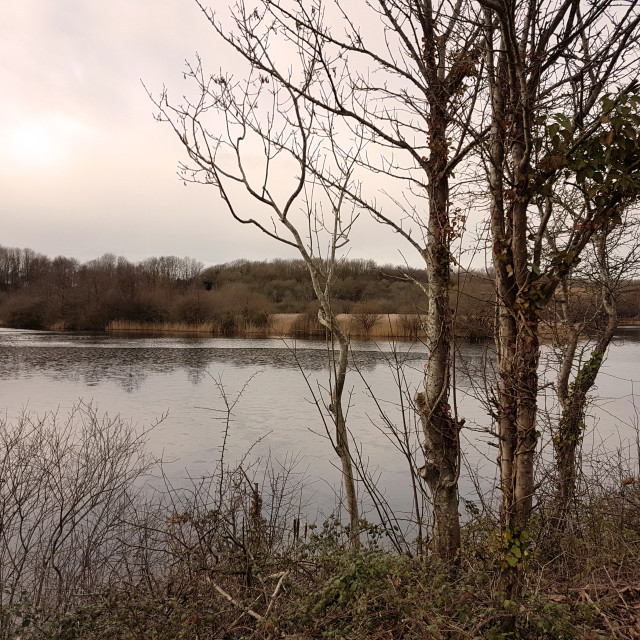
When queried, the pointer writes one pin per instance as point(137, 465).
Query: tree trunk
point(573, 397)
point(441, 448)
point(341, 445)
point(516, 332)
point(322, 288)
point(441, 431)
point(570, 431)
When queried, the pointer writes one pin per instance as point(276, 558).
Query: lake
point(143, 378)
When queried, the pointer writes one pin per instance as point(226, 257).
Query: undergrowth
point(231, 557)
point(317, 589)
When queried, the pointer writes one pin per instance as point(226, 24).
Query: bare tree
point(402, 77)
point(547, 67)
point(586, 305)
point(292, 137)
point(366, 320)
point(405, 78)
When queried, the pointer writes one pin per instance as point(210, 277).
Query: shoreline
point(396, 326)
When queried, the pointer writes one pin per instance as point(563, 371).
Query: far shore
point(363, 326)
point(394, 326)
point(369, 326)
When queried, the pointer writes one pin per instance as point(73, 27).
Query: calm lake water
point(143, 378)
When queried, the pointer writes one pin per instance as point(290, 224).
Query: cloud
point(84, 168)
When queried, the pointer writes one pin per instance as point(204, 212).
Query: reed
point(60, 325)
point(128, 326)
point(281, 324)
point(396, 326)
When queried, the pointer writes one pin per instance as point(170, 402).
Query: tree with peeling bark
point(548, 67)
point(256, 114)
point(402, 77)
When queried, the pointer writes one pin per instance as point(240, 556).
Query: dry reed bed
point(282, 324)
point(393, 325)
point(177, 328)
point(159, 327)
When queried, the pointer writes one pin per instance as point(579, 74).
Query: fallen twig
point(223, 593)
point(588, 598)
point(276, 591)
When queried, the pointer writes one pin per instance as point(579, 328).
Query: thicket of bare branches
point(69, 489)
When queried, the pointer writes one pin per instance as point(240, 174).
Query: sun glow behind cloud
point(47, 143)
point(84, 168)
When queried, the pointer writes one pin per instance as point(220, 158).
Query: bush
point(67, 489)
point(228, 325)
point(306, 325)
point(193, 309)
point(28, 316)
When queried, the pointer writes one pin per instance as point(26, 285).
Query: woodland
point(179, 294)
point(171, 294)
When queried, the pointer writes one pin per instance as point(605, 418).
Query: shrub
point(228, 325)
point(31, 315)
point(66, 494)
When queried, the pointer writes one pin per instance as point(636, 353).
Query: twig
point(279, 574)
point(587, 597)
point(223, 593)
point(489, 620)
point(275, 592)
point(419, 622)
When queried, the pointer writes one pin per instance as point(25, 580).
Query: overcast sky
point(84, 168)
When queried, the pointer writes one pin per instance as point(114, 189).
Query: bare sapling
point(310, 215)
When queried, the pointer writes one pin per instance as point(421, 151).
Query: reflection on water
point(94, 359)
point(142, 378)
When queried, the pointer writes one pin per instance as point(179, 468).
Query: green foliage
point(571, 425)
point(605, 162)
point(375, 592)
point(588, 371)
point(139, 616)
point(18, 616)
point(333, 593)
point(514, 550)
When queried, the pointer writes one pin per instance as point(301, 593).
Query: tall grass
point(185, 328)
point(128, 326)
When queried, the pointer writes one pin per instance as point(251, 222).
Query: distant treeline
point(37, 292)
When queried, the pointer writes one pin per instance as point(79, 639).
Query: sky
point(84, 167)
